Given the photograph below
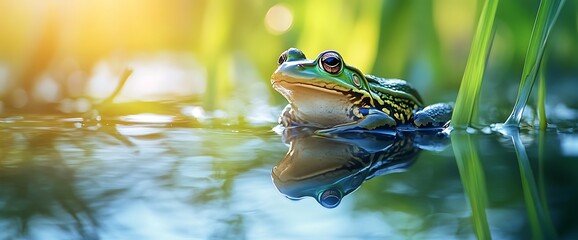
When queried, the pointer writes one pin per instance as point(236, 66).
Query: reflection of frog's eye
point(282, 58)
point(331, 62)
point(330, 198)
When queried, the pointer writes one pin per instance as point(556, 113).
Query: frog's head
point(327, 74)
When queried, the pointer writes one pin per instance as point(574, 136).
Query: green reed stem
point(542, 97)
point(472, 79)
point(545, 19)
point(473, 180)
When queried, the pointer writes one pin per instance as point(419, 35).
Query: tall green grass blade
point(545, 19)
point(537, 210)
point(472, 78)
point(473, 180)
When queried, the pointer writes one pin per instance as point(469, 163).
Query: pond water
point(60, 179)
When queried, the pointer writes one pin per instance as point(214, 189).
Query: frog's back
point(399, 98)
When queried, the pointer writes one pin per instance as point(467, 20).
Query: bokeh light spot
point(3, 80)
point(47, 90)
point(278, 19)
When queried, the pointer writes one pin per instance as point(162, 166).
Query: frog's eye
point(331, 62)
point(282, 58)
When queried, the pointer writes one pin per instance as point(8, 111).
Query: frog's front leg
point(436, 115)
point(372, 119)
point(289, 118)
point(286, 119)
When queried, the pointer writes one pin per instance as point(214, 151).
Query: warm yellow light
point(278, 19)
point(454, 21)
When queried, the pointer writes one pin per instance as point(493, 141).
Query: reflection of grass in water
point(542, 191)
point(473, 180)
point(535, 201)
point(36, 183)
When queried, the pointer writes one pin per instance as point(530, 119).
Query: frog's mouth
point(287, 86)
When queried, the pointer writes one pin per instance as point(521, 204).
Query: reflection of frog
point(327, 169)
point(329, 94)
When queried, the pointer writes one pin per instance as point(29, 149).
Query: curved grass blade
point(545, 19)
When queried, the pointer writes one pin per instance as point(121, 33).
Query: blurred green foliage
point(236, 42)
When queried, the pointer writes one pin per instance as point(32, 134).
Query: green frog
point(327, 93)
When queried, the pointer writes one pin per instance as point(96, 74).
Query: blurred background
point(63, 57)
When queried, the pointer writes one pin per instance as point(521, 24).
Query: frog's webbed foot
point(374, 119)
point(436, 115)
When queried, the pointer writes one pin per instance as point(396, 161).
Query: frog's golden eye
point(331, 62)
point(282, 58)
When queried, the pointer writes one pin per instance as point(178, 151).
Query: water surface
point(60, 179)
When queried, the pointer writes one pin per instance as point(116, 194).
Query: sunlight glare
point(156, 77)
point(148, 118)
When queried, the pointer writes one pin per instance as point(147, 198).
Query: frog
point(335, 97)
